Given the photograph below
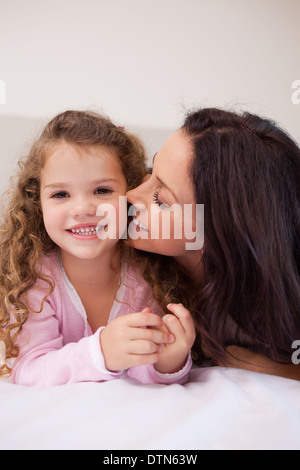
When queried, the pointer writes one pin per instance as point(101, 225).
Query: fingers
point(158, 336)
point(144, 347)
point(183, 315)
point(179, 310)
point(148, 326)
point(143, 325)
point(181, 322)
point(174, 325)
point(144, 318)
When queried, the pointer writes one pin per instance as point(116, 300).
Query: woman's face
point(169, 185)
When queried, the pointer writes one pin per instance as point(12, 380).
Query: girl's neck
point(94, 273)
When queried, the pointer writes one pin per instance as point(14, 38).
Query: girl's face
point(75, 181)
point(169, 184)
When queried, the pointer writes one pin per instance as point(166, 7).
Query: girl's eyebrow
point(93, 183)
point(55, 185)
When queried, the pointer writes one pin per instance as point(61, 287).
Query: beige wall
point(144, 62)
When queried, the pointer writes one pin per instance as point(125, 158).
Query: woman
point(246, 172)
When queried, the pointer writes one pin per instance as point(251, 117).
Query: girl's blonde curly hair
point(23, 238)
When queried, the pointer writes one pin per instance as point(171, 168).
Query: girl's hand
point(133, 340)
point(181, 325)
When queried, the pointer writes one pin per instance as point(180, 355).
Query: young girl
point(73, 308)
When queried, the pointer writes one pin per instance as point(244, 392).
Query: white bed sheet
point(220, 408)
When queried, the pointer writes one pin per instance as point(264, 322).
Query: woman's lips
point(139, 224)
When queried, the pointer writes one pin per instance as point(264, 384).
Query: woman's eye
point(158, 202)
point(60, 195)
point(104, 191)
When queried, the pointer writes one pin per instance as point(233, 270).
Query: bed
point(219, 408)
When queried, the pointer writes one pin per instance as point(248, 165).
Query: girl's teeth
point(85, 231)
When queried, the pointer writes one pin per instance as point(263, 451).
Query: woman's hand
point(133, 340)
point(181, 325)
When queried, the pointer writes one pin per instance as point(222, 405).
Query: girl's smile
point(86, 231)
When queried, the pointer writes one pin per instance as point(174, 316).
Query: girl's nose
point(84, 208)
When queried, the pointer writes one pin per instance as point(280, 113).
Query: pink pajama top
point(57, 345)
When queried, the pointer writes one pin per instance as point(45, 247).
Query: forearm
point(51, 363)
point(149, 375)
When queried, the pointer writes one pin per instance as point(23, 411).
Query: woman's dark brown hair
point(246, 172)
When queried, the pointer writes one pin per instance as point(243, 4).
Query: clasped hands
point(145, 338)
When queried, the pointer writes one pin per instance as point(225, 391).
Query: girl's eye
point(103, 191)
point(60, 195)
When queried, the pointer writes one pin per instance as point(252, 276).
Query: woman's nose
point(136, 195)
point(131, 196)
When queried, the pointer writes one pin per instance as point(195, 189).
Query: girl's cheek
point(121, 218)
point(114, 215)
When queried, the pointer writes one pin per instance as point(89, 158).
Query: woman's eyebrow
point(166, 187)
point(164, 184)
